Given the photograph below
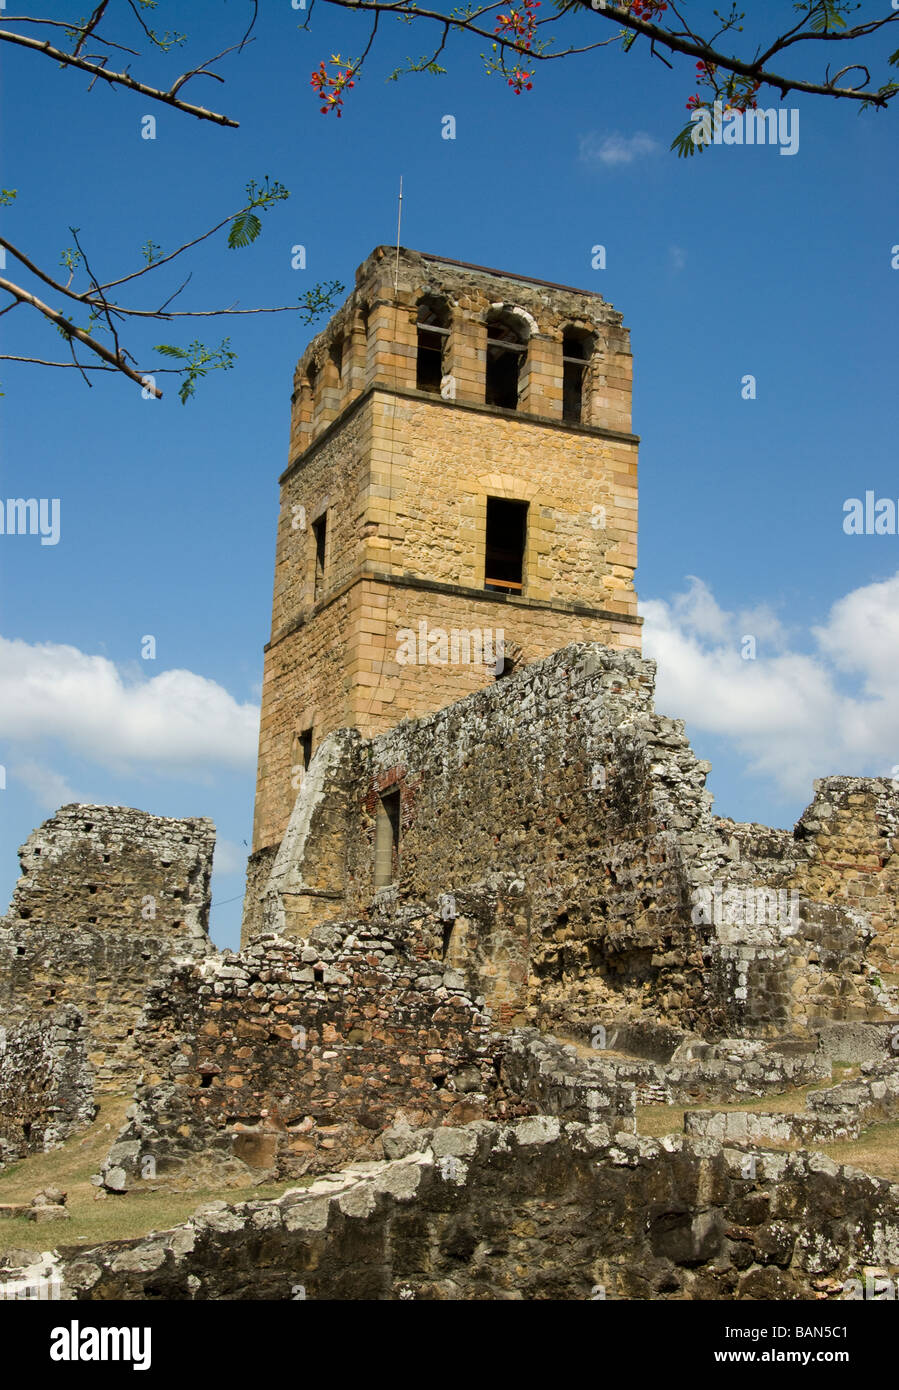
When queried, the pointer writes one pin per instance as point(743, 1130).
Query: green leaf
point(199, 359)
point(244, 229)
point(684, 143)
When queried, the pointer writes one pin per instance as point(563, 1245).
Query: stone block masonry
point(832, 1115)
point(383, 521)
point(535, 1209)
point(847, 852)
point(46, 1081)
point(107, 896)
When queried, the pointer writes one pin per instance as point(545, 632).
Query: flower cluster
point(519, 26)
point(740, 92)
point(331, 86)
point(647, 9)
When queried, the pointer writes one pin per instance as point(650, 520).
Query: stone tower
point(460, 498)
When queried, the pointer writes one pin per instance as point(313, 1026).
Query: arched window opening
point(433, 339)
point(506, 356)
point(577, 348)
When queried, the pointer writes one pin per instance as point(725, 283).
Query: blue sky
point(741, 261)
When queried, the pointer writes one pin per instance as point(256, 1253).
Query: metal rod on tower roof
point(399, 223)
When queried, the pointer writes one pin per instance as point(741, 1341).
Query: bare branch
point(201, 70)
point(71, 331)
point(121, 79)
point(82, 366)
point(90, 26)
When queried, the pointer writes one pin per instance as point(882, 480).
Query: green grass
point(134, 1214)
point(876, 1150)
point(115, 1217)
point(658, 1120)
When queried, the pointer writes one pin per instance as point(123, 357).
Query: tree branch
point(121, 79)
point(70, 331)
point(675, 43)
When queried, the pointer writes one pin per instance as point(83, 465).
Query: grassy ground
point(137, 1213)
point(876, 1150)
point(116, 1217)
point(656, 1120)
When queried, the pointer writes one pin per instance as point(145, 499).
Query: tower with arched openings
point(460, 498)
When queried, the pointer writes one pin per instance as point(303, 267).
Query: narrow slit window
point(433, 336)
point(335, 352)
point(506, 355)
point(320, 536)
point(305, 749)
point(387, 839)
point(575, 355)
point(505, 544)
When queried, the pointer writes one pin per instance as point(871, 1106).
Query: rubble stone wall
point(106, 898)
point(848, 835)
point(563, 830)
point(46, 1082)
point(287, 1059)
point(539, 1209)
point(832, 1115)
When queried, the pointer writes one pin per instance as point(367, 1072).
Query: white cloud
point(862, 635)
point(788, 711)
point(49, 789)
point(616, 149)
point(175, 723)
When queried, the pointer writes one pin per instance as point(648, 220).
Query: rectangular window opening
point(429, 368)
point(335, 352)
point(320, 535)
point(505, 361)
point(572, 390)
point(387, 839)
point(505, 544)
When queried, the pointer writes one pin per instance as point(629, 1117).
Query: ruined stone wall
point(46, 1082)
point(831, 1116)
point(847, 836)
point(793, 977)
point(563, 830)
point(107, 896)
point(840, 851)
point(284, 1059)
point(533, 1210)
point(559, 777)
